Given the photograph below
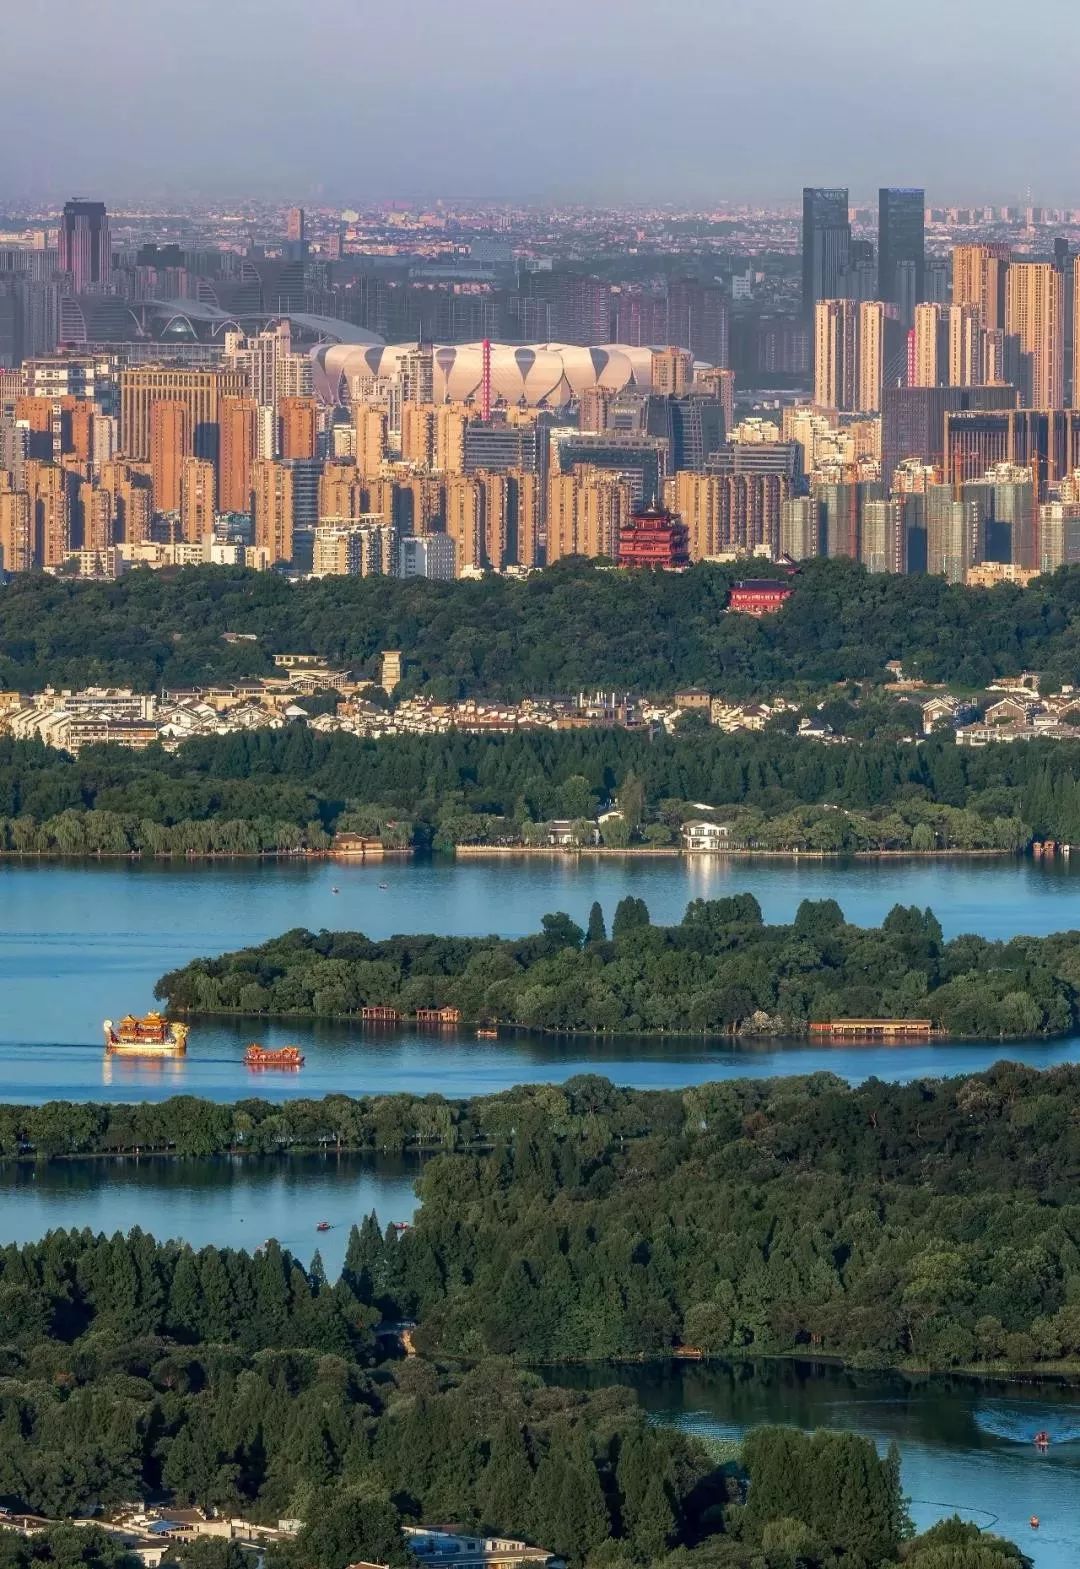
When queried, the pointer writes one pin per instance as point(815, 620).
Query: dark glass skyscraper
point(826, 245)
point(901, 238)
point(84, 243)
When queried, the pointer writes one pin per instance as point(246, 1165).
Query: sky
point(598, 101)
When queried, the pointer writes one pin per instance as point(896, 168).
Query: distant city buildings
point(890, 381)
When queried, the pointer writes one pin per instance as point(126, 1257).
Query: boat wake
point(1022, 1422)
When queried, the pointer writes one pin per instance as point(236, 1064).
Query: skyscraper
point(237, 450)
point(834, 354)
point(84, 246)
point(930, 348)
point(298, 427)
point(170, 444)
point(978, 278)
point(826, 243)
point(272, 496)
point(1034, 316)
point(901, 238)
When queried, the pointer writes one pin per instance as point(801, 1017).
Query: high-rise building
point(840, 507)
point(416, 371)
point(729, 512)
point(697, 320)
point(450, 422)
point(16, 531)
point(1044, 442)
point(954, 533)
point(273, 510)
point(1076, 333)
point(1007, 502)
point(965, 346)
point(883, 536)
point(1034, 316)
point(200, 391)
point(269, 366)
point(826, 242)
point(372, 438)
point(901, 238)
point(237, 450)
point(878, 346)
point(1059, 535)
point(835, 362)
point(672, 371)
point(799, 528)
point(692, 426)
point(50, 518)
point(85, 251)
point(170, 444)
point(586, 509)
point(930, 346)
point(913, 420)
point(721, 384)
point(298, 420)
point(294, 226)
point(198, 500)
point(978, 278)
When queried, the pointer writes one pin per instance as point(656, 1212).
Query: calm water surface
point(227, 1201)
point(966, 1446)
point(82, 942)
point(85, 941)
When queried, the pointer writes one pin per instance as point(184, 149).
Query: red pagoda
point(654, 538)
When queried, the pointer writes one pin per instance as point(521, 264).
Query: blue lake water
point(86, 941)
point(81, 942)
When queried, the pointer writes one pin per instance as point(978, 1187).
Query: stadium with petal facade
point(534, 374)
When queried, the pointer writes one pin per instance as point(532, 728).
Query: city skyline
point(513, 109)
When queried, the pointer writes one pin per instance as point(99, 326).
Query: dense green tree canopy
point(556, 631)
point(721, 970)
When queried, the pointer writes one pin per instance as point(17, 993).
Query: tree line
point(557, 631)
point(721, 970)
point(281, 791)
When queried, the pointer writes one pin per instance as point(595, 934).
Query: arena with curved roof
point(534, 374)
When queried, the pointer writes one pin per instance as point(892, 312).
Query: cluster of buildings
point(152, 1534)
point(263, 405)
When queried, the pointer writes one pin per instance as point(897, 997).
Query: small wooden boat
point(487, 1035)
point(323, 1225)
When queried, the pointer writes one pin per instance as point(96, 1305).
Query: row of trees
point(557, 631)
point(284, 790)
point(721, 970)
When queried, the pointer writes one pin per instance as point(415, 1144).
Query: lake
point(84, 941)
point(80, 942)
point(965, 1445)
point(227, 1201)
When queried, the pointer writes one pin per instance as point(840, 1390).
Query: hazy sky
point(597, 100)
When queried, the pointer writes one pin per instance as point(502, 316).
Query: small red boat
point(267, 1057)
point(1042, 1440)
point(324, 1225)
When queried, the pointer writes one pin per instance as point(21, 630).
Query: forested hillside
point(721, 970)
point(579, 624)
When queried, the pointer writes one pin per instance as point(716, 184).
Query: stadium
point(533, 375)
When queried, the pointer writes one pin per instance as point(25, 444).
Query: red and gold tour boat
point(151, 1036)
point(268, 1057)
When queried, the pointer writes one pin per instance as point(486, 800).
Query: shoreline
point(475, 851)
point(511, 851)
point(508, 1028)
